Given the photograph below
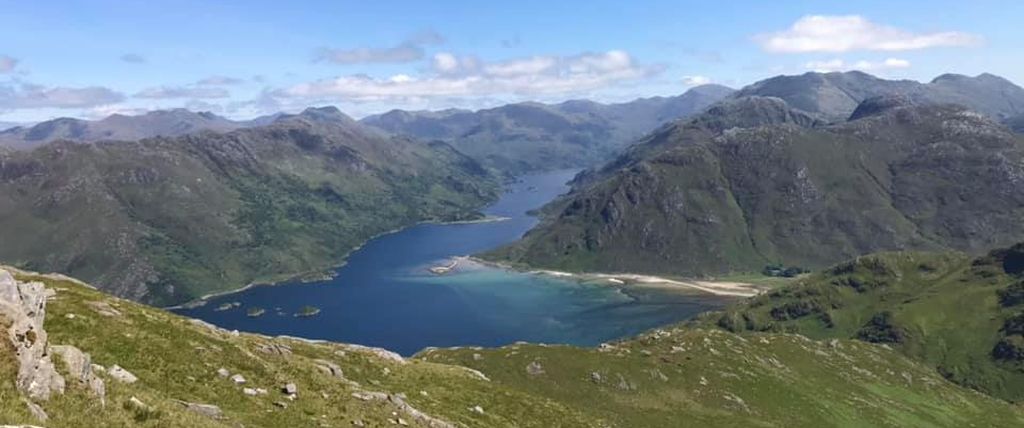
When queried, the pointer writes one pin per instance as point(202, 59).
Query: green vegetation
point(667, 377)
point(167, 220)
point(753, 182)
point(959, 314)
point(307, 311)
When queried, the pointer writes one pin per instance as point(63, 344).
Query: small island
point(254, 312)
point(227, 306)
point(307, 311)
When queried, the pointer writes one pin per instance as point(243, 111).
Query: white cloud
point(7, 64)
point(30, 96)
point(408, 50)
point(696, 80)
point(468, 76)
point(817, 33)
point(197, 92)
point(218, 81)
point(837, 64)
point(101, 112)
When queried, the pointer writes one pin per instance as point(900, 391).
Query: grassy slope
point(752, 379)
point(943, 309)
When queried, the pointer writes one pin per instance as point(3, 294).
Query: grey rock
point(223, 372)
point(24, 304)
point(534, 369)
point(329, 368)
point(238, 379)
point(208, 410)
point(121, 375)
point(290, 388)
point(80, 368)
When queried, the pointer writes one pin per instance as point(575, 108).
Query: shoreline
point(324, 274)
point(627, 280)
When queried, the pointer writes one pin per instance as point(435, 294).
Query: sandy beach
point(718, 288)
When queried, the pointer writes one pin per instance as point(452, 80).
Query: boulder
point(121, 375)
point(534, 369)
point(23, 304)
point(329, 368)
point(238, 379)
point(208, 410)
point(223, 372)
point(80, 368)
point(289, 388)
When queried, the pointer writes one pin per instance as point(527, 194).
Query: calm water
point(384, 296)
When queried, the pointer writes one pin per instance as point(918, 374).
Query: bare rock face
point(24, 306)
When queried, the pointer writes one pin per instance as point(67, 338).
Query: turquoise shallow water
point(384, 295)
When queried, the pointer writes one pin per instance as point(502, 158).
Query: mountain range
point(518, 138)
point(168, 219)
point(165, 123)
point(752, 182)
point(834, 96)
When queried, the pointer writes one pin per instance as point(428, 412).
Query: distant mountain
point(532, 136)
point(834, 96)
point(165, 123)
point(753, 181)
point(8, 125)
point(164, 220)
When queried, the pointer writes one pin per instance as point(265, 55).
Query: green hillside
point(959, 314)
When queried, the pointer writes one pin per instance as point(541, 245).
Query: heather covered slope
point(668, 377)
point(523, 137)
point(166, 220)
point(753, 182)
point(959, 314)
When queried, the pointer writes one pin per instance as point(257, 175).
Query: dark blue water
point(384, 296)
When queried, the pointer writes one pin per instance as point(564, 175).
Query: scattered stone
point(358, 423)
point(223, 372)
point(534, 369)
point(834, 344)
point(104, 308)
point(69, 316)
point(645, 352)
point(402, 422)
point(378, 352)
point(249, 391)
point(477, 357)
point(624, 384)
point(281, 404)
point(135, 403)
point(208, 410)
point(24, 305)
point(290, 389)
point(238, 379)
point(595, 377)
point(275, 349)
point(121, 375)
point(424, 393)
point(477, 409)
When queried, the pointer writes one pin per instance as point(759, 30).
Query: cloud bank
point(819, 33)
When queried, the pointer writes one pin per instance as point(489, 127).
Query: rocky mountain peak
point(880, 104)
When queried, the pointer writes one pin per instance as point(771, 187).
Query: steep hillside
point(959, 314)
point(834, 96)
point(159, 123)
point(516, 138)
point(123, 364)
point(165, 220)
point(752, 182)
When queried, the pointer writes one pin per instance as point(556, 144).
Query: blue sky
point(246, 58)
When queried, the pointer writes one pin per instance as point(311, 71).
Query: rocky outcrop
point(23, 308)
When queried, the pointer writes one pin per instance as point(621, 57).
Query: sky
point(241, 59)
